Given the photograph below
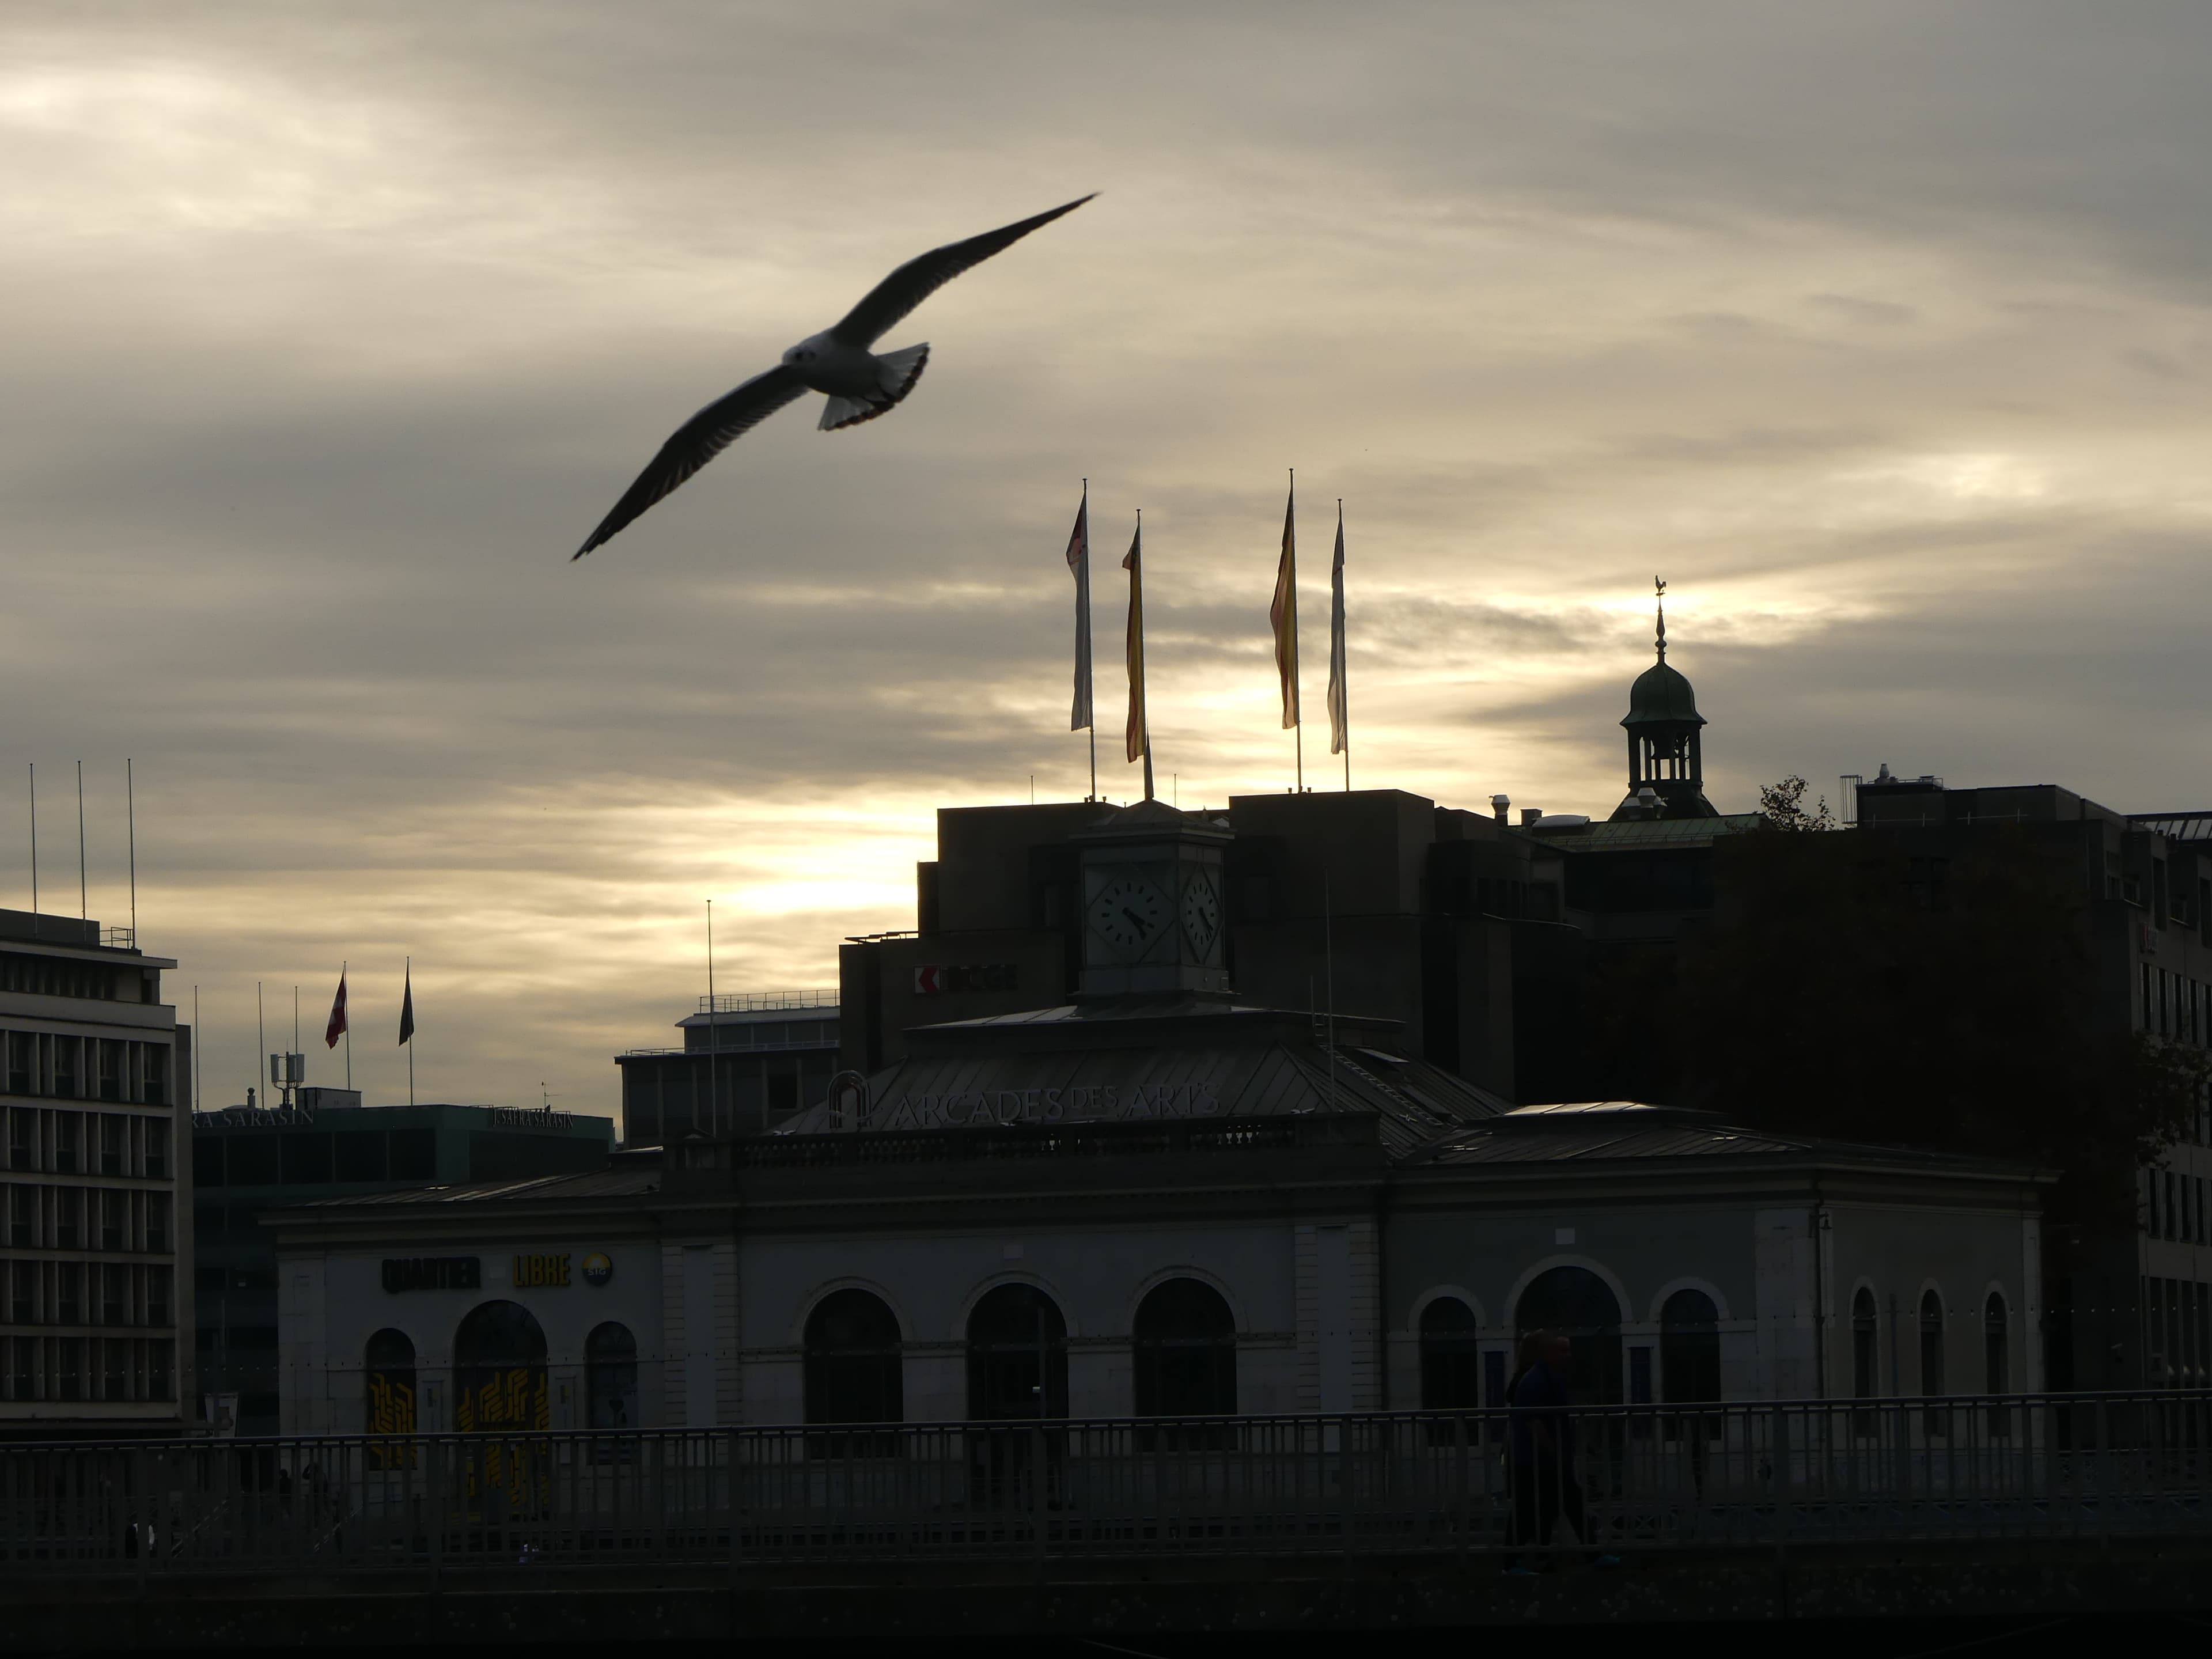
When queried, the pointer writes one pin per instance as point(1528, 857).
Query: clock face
point(1201, 913)
point(1129, 913)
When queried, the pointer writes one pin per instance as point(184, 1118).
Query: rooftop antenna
point(260, 1031)
point(34, 850)
point(130, 815)
point(198, 1043)
point(83, 907)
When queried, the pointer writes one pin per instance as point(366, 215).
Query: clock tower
point(1155, 912)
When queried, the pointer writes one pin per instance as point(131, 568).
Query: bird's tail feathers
point(898, 374)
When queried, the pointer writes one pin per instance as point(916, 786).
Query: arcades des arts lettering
point(1108, 1102)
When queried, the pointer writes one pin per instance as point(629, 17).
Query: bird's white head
point(808, 351)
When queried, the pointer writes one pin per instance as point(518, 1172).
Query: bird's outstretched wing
point(918, 278)
point(696, 442)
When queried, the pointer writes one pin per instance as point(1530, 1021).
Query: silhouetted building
point(96, 1076)
point(749, 1061)
point(247, 1161)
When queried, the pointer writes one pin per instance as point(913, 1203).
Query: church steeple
point(1665, 752)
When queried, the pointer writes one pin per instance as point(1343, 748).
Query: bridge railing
point(1638, 1478)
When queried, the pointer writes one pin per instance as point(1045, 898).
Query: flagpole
point(410, 980)
point(348, 1031)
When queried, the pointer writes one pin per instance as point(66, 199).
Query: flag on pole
point(407, 1009)
point(1283, 614)
point(1137, 735)
point(337, 1028)
point(1339, 715)
point(1079, 560)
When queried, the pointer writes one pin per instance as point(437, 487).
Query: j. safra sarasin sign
point(1108, 1103)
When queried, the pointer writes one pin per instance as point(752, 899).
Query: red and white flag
point(1079, 560)
point(337, 1028)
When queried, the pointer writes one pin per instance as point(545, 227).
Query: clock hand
point(1136, 922)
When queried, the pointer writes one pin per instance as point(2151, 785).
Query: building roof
point(1661, 694)
point(1156, 1059)
point(616, 1181)
point(1614, 1131)
point(1627, 834)
point(2175, 826)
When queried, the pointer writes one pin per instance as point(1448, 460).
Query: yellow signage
point(531, 1271)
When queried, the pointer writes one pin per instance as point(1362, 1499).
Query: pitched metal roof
point(1156, 1061)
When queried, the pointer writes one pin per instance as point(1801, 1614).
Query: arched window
point(1576, 1303)
point(499, 1371)
point(1931, 1344)
point(387, 1369)
point(1689, 1348)
point(1184, 1343)
point(853, 1366)
point(1016, 1356)
point(1866, 1360)
point(1997, 1360)
point(1451, 1357)
point(611, 1377)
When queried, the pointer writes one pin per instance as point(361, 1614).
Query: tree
point(1781, 807)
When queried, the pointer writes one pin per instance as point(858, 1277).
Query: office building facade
point(94, 1194)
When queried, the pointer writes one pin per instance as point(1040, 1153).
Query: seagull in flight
point(861, 383)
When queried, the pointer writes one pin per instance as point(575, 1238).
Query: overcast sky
point(1880, 330)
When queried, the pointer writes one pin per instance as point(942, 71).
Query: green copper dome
point(1662, 694)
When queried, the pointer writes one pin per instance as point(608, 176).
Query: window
point(112, 1131)
point(388, 1394)
point(157, 1221)
point(306, 1156)
point(107, 1058)
point(1451, 1357)
point(499, 1364)
point(69, 1217)
point(1689, 1348)
point(22, 1072)
point(22, 1123)
point(1016, 1356)
point(611, 1377)
point(1576, 1303)
point(853, 1364)
point(67, 1138)
point(207, 1161)
point(114, 1215)
point(1866, 1353)
point(23, 1218)
point(66, 1053)
point(1935, 1419)
point(69, 1293)
point(157, 1075)
point(114, 1295)
point(157, 1150)
point(1185, 1341)
point(360, 1155)
point(1996, 1361)
point(157, 1296)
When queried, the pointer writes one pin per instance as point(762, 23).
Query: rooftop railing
point(753, 1002)
point(1745, 1475)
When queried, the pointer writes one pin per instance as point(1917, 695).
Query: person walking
point(1541, 1450)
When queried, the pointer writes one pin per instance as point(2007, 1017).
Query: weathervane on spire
point(1659, 585)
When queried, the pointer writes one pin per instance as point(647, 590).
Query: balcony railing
point(1745, 1475)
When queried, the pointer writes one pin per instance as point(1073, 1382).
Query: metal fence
point(1642, 1478)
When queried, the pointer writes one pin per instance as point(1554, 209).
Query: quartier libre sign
point(1108, 1102)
